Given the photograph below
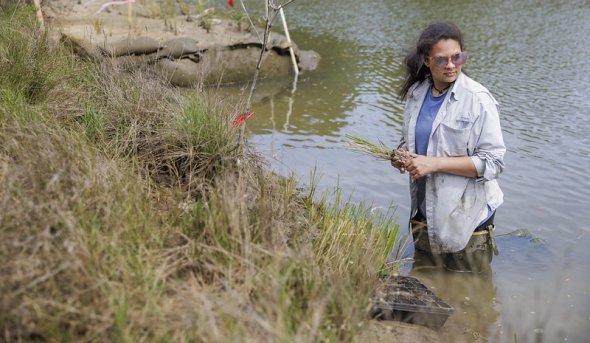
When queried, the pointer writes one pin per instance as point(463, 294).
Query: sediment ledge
point(185, 49)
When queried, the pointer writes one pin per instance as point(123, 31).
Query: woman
point(452, 129)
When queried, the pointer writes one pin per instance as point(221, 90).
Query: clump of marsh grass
point(379, 151)
point(362, 145)
point(21, 59)
point(28, 62)
point(179, 140)
point(37, 71)
point(75, 230)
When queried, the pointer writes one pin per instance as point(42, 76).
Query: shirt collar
point(456, 90)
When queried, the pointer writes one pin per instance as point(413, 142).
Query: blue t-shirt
point(428, 111)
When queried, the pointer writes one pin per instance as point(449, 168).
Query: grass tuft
point(363, 145)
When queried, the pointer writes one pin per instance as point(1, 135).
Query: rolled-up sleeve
point(489, 149)
point(479, 165)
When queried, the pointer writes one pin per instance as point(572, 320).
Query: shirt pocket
point(454, 136)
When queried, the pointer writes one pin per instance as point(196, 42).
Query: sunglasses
point(442, 61)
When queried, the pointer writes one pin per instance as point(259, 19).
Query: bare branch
point(271, 16)
point(276, 6)
point(250, 20)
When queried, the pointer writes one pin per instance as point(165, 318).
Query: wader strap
point(488, 230)
point(418, 224)
point(492, 237)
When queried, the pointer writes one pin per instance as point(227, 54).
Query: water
point(533, 56)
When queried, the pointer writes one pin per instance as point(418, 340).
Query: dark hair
point(414, 61)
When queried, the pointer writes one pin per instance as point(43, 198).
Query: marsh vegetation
point(128, 212)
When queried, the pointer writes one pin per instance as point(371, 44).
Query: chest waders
point(475, 257)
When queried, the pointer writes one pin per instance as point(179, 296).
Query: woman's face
point(445, 60)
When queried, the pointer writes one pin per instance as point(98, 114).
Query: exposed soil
point(187, 49)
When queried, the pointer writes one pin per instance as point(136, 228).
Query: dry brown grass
point(124, 216)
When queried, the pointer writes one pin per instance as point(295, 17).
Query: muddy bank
point(186, 49)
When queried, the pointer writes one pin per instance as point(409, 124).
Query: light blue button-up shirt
point(467, 124)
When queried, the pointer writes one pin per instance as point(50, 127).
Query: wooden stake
point(293, 60)
point(129, 12)
point(39, 14)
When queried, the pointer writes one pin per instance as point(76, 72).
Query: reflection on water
point(532, 55)
point(473, 298)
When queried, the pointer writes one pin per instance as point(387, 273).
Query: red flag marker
point(241, 118)
point(230, 3)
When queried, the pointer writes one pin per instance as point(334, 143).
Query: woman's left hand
point(422, 165)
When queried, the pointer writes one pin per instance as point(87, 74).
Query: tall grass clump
point(23, 58)
point(31, 65)
point(178, 140)
point(75, 228)
point(128, 213)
